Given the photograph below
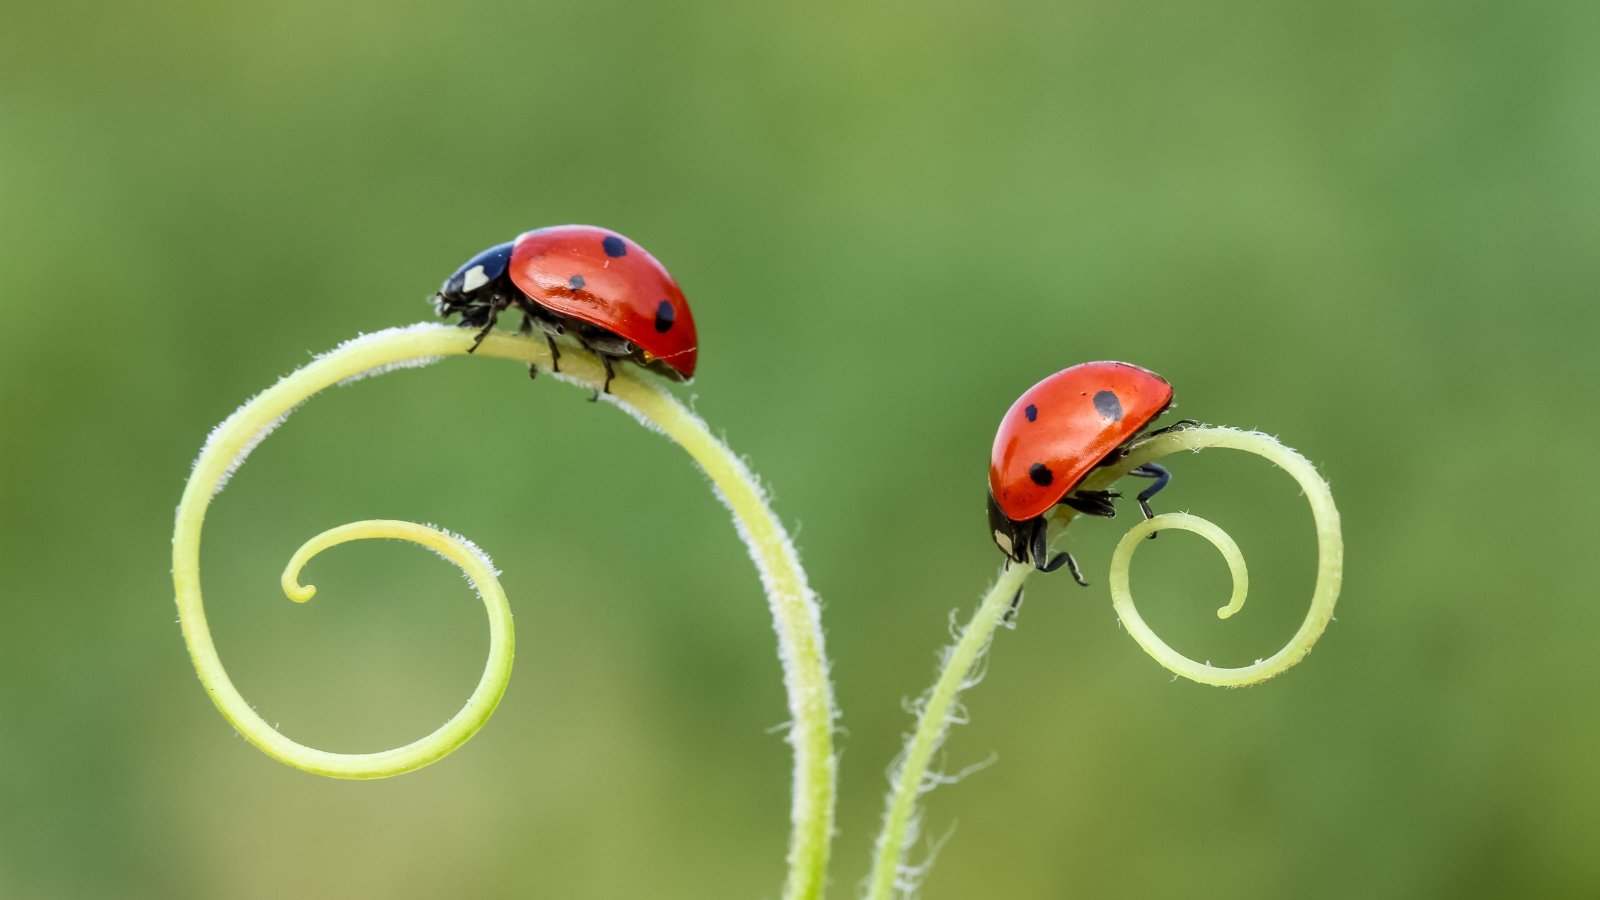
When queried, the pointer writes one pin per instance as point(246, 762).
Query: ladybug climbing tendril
point(1065, 443)
point(1059, 431)
point(593, 285)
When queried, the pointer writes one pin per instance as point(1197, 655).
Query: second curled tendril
point(1061, 449)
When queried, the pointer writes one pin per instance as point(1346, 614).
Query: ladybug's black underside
point(1028, 541)
point(482, 307)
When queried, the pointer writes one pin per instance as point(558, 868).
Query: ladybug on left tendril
point(591, 284)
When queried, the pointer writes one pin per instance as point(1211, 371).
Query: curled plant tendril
point(795, 611)
point(496, 673)
point(891, 876)
point(1121, 560)
point(1330, 556)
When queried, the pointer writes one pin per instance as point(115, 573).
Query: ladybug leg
point(526, 330)
point(1065, 559)
point(1175, 426)
point(555, 352)
point(532, 317)
point(607, 346)
point(1162, 477)
point(1039, 548)
point(1093, 503)
point(1016, 603)
point(610, 374)
point(493, 314)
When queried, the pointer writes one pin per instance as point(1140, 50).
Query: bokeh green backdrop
point(1369, 228)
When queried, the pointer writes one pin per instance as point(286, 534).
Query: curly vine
point(936, 710)
point(795, 611)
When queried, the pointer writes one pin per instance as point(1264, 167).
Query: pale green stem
point(910, 775)
point(890, 876)
point(795, 611)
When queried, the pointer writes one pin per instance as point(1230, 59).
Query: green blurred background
point(1369, 228)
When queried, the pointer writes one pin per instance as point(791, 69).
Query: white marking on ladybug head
point(1004, 540)
point(474, 279)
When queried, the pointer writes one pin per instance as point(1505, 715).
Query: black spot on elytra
point(1041, 474)
point(664, 316)
point(1108, 405)
point(575, 283)
point(1032, 412)
point(614, 246)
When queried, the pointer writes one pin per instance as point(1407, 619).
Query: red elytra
point(1064, 426)
point(605, 279)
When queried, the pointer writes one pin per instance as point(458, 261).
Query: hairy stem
point(910, 774)
point(890, 876)
point(795, 611)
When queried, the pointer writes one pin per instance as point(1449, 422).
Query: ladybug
point(606, 291)
point(1056, 433)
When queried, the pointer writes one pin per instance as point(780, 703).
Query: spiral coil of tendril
point(937, 708)
point(795, 611)
point(1330, 556)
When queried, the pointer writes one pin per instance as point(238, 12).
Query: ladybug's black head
point(1014, 538)
point(478, 278)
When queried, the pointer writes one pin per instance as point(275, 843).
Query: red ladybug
point(1056, 433)
point(600, 287)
